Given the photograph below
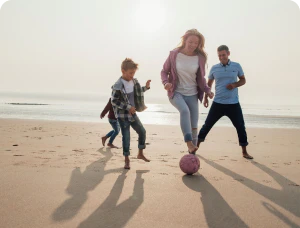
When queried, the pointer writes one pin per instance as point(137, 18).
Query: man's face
point(128, 74)
point(223, 56)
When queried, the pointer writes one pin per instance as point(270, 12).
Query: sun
point(150, 16)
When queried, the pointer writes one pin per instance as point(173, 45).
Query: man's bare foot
point(112, 145)
point(103, 140)
point(127, 163)
point(247, 156)
point(191, 147)
point(141, 156)
point(245, 153)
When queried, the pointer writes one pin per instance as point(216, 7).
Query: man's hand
point(230, 86)
point(132, 110)
point(210, 95)
point(148, 84)
point(168, 86)
point(101, 116)
point(205, 103)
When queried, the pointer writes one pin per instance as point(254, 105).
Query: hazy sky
point(77, 46)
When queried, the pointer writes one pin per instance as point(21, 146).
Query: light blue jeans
point(189, 114)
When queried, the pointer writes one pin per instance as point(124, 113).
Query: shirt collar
point(229, 62)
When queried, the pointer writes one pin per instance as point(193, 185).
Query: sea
point(87, 108)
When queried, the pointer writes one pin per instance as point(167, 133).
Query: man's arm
point(209, 83)
point(241, 82)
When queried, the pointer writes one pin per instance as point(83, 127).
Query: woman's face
point(191, 43)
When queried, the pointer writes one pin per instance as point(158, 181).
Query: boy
point(127, 98)
point(113, 122)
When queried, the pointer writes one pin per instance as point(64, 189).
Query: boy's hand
point(148, 84)
point(132, 110)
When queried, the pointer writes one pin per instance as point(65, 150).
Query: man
point(226, 101)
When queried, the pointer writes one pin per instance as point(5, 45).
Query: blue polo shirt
point(224, 75)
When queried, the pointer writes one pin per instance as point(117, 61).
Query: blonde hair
point(200, 48)
point(129, 64)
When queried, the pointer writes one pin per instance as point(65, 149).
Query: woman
point(183, 77)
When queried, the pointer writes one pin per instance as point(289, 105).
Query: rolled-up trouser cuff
point(201, 140)
point(188, 137)
point(141, 147)
point(244, 144)
point(126, 153)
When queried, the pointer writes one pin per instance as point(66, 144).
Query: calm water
point(87, 109)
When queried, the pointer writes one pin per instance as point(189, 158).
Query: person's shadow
point(80, 184)
point(287, 197)
point(109, 214)
point(217, 211)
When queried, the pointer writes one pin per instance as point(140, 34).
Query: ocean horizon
point(85, 108)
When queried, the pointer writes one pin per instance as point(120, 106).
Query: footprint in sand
point(163, 174)
point(173, 166)
point(15, 145)
point(287, 163)
point(18, 155)
point(267, 181)
point(7, 150)
point(292, 184)
point(233, 160)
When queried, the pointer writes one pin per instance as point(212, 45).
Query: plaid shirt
point(120, 102)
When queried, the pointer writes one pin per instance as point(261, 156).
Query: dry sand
point(59, 175)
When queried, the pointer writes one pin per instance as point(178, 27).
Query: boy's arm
point(116, 101)
point(106, 109)
point(147, 87)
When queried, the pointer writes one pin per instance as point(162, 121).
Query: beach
point(57, 174)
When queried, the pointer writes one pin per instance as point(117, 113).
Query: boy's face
point(128, 74)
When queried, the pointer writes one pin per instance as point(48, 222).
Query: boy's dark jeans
point(233, 112)
point(125, 129)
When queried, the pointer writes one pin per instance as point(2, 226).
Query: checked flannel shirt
point(120, 102)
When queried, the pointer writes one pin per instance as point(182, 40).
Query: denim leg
point(185, 117)
point(192, 103)
point(116, 127)
point(140, 130)
point(215, 113)
point(125, 129)
point(235, 114)
point(109, 134)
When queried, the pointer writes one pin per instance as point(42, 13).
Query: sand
point(59, 175)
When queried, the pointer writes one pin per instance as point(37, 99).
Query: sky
point(77, 46)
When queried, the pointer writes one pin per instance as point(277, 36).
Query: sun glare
point(150, 16)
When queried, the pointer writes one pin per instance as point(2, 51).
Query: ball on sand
point(189, 164)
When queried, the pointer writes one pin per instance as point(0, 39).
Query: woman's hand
point(168, 86)
point(210, 95)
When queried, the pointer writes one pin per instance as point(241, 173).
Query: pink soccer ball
point(189, 164)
